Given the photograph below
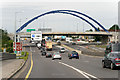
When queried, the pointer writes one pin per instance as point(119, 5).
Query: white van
point(69, 40)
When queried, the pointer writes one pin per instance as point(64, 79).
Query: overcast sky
point(104, 12)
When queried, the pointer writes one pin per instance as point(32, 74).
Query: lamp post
point(83, 26)
point(15, 30)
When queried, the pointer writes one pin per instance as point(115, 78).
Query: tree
point(98, 29)
point(97, 38)
point(115, 26)
point(89, 30)
point(6, 41)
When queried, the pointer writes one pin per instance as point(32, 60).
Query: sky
point(105, 13)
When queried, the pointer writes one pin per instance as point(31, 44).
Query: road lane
point(88, 51)
point(88, 64)
point(91, 65)
point(48, 68)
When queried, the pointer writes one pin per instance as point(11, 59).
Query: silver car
point(56, 55)
point(62, 50)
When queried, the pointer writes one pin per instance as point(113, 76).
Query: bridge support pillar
point(104, 39)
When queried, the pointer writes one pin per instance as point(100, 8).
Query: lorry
point(49, 45)
point(36, 36)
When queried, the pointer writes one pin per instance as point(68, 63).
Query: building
point(115, 33)
point(45, 29)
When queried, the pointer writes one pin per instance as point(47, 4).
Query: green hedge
point(10, 49)
point(26, 54)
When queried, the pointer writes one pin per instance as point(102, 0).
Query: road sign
point(29, 30)
point(18, 46)
point(33, 35)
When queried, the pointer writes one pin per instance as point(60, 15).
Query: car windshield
point(57, 53)
point(70, 39)
point(117, 55)
point(48, 53)
point(74, 52)
point(116, 47)
point(62, 48)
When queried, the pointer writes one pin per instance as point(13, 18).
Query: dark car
point(59, 43)
point(42, 49)
point(73, 54)
point(73, 43)
point(112, 47)
point(48, 55)
point(43, 53)
point(43, 43)
point(111, 60)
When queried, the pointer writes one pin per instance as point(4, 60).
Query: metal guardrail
point(0, 56)
point(6, 56)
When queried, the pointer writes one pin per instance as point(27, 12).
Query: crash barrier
point(6, 56)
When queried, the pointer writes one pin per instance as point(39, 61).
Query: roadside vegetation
point(101, 46)
point(24, 55)
point(5, 41)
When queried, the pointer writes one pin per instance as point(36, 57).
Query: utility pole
point(77, 27)
point(83, 26)
point(115, 34)
point(15, 31)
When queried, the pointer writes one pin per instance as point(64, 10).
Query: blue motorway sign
point(33, 35)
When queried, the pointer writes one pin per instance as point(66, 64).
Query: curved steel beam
point(85, 16)
point(80, 18)
point(56, 11)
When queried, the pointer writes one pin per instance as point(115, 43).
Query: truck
point(49, 45)
point(36, 36)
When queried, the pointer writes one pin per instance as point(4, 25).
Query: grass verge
point(101, 46)
point(24, 55)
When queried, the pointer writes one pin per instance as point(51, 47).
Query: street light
point(15, 29)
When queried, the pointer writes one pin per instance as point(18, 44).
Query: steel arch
point(56, 11)
point(85, 16)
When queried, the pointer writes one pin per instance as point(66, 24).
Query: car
point(112, 47)
point(73, 54)
point(73, 43)
point(111, 60)
point(43, 43)
point(43, 53)
point(39, 45)
point(42, 49)
point(62, 50)
point(59, 43)
point(56, 55)
point(32, 42)
point(48, 55)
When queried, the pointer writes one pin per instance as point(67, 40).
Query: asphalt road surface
point(87, 67)
point(89, 51)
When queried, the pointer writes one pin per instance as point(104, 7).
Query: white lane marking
point(62, 47)
point(59, 46)
point(97, 49)
point(94, 48)
point(30, 48)
point(81, 72)
point(82, 46)
point(76, 70)
point(85, 61)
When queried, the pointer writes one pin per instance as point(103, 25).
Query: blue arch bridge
point(73, 13)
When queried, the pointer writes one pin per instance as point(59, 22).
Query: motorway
point(91, 50)
point(85, 68)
